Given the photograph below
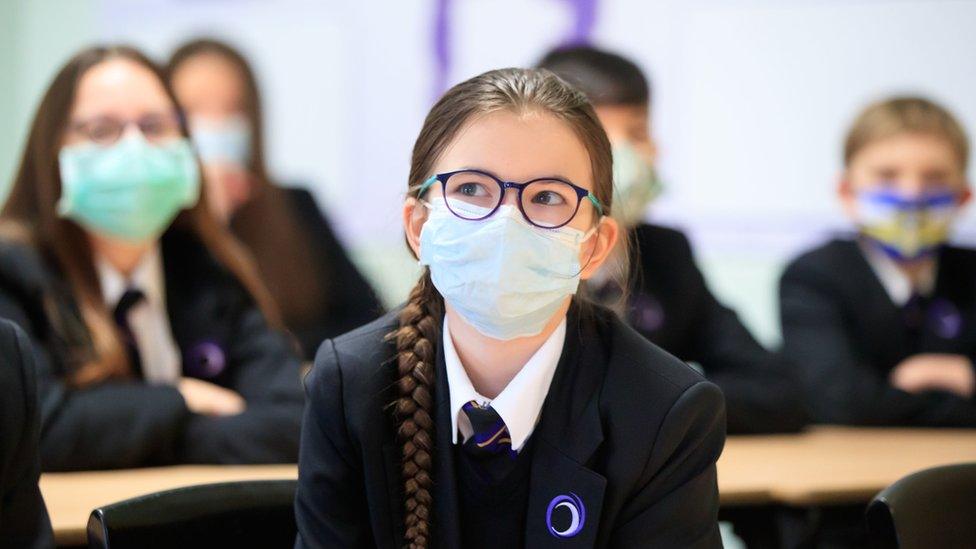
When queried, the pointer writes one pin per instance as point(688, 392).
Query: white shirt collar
point(147, 277)
point(520, 402)
point(148, 320)
point(896, 283)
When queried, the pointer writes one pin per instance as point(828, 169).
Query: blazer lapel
point(394, 494)
point(199, 306)
point(446, 520)
point(881, 317)
point(566, 496)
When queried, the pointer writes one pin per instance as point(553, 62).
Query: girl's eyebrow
point(493, 174)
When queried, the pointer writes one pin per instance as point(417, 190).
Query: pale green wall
point(36, 37)
point(9, 69)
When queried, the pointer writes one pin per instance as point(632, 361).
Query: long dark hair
point(266, 224)
point(417, 337)
point(30, 215)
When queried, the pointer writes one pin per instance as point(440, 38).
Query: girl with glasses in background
point(155, 340)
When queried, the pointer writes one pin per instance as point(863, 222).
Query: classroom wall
point(35, 39)
point(751, 99)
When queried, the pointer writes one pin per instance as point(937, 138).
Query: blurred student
point(154, 337)
point(23, 518)
point(318, 290)
point(882, 324)
point(668, 300)
point(497, 408)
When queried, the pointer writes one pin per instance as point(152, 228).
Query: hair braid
point(416, 343)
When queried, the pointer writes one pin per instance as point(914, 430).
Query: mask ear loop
point(422, 188)
point(586, 236)
point(593, 230)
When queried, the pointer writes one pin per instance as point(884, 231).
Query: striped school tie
point(491, 437)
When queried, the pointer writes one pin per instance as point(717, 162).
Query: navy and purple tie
point(129, 299)
point(491, 436)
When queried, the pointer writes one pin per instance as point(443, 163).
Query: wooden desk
point(71, 497)
point(825, 465)
point(833, 465)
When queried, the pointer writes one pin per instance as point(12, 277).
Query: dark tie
point(490, 446)
point(130, 298)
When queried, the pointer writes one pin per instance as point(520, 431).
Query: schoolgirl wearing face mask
point(882, 326)
point(155, 340)
point(316, 287)
point(497, 408)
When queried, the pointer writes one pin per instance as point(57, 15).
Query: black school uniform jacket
point(671, 305)
point(627, 428)
point(23, 517)
point(348, 299)
point(129, 423)
point(845, 335)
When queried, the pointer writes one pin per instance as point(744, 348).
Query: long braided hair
point(520, 91)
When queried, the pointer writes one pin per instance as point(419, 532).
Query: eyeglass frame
point(81, 127)
point(503, 186)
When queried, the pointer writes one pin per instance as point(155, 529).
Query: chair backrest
point(931, 508)
point(230, 514)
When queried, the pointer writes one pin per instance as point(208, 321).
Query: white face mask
point(504, 276)
point(225, 140)
point(635, 184)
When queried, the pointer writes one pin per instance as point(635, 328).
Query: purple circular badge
point(577, 515)
point(944, 318)
point(205, 360)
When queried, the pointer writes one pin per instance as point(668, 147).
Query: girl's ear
point(414, 216)
point(597, 249)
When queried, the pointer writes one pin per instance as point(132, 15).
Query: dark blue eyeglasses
point(547, 202)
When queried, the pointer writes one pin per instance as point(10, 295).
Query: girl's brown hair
point(899, 115)
point(94, 346)
point(265, 224)
point(521, 91)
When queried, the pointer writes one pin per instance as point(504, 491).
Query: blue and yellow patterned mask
point(907, 227)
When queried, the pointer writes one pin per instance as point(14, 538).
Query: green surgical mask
point(131, 190)
point(635, 184)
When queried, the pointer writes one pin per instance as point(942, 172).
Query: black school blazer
point(845, 335)
point(23, 517)
point(626, 427)
point(129, 423)
point(671, 305)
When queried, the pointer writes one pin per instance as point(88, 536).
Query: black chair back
point(230, 514)
point(931, 508)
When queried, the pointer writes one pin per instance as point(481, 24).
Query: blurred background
point(751, 99)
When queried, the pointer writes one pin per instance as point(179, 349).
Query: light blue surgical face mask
point(502, 275)
point(131, 190)
point(225, 140)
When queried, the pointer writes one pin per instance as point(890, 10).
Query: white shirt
point(520, 402)
point(896, 283)
point(147, 319)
